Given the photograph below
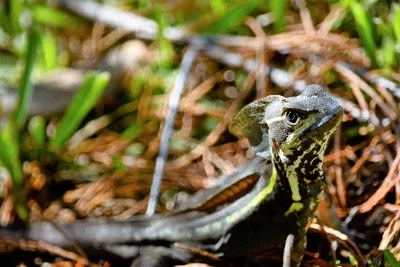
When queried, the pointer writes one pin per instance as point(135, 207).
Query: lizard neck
point(300, 169)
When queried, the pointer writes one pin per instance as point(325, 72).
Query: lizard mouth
point(332, 116)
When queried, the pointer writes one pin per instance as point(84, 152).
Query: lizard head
point(295, 129)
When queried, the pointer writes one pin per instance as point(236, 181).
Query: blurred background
point(86, 87)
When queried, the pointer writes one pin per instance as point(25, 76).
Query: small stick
point(388, 183)
point(43, 246)
point(341, 239)
point(174, 98)
point(203, 253)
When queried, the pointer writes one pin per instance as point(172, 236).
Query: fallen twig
point(388, 183)
point(341, 239)
point(43, 246)
point(173, 104)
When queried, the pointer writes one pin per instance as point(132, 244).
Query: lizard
point(289, 137)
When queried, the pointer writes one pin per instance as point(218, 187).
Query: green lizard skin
point(289, 137)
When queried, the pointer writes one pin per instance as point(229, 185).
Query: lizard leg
point(294, 249)
point(287, 251)
point(299, 246)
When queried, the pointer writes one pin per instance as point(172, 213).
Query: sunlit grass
point(86, 97)
point(26, 90)
point(365, 30)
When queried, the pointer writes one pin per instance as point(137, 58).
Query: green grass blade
point(9, 152)
point(26, 89)
point(9, 155)
point(279, 10)
point(15, 15)
point(218, 5)
point(164, 46)
point(5, 24)
point(396, 22)
point(84, 100)
point(365, 30)
point(390, 259)
point(388, 51)
point(346, 3)
point(37, 130)
point(133, 131)
point(49, 50)
point(55, 17)
point(232, 18)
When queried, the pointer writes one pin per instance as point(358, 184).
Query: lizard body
point(282, 190)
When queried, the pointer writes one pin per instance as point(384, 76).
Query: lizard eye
point(292, 117)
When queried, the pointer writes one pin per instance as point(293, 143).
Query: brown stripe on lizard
point(230, 194)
